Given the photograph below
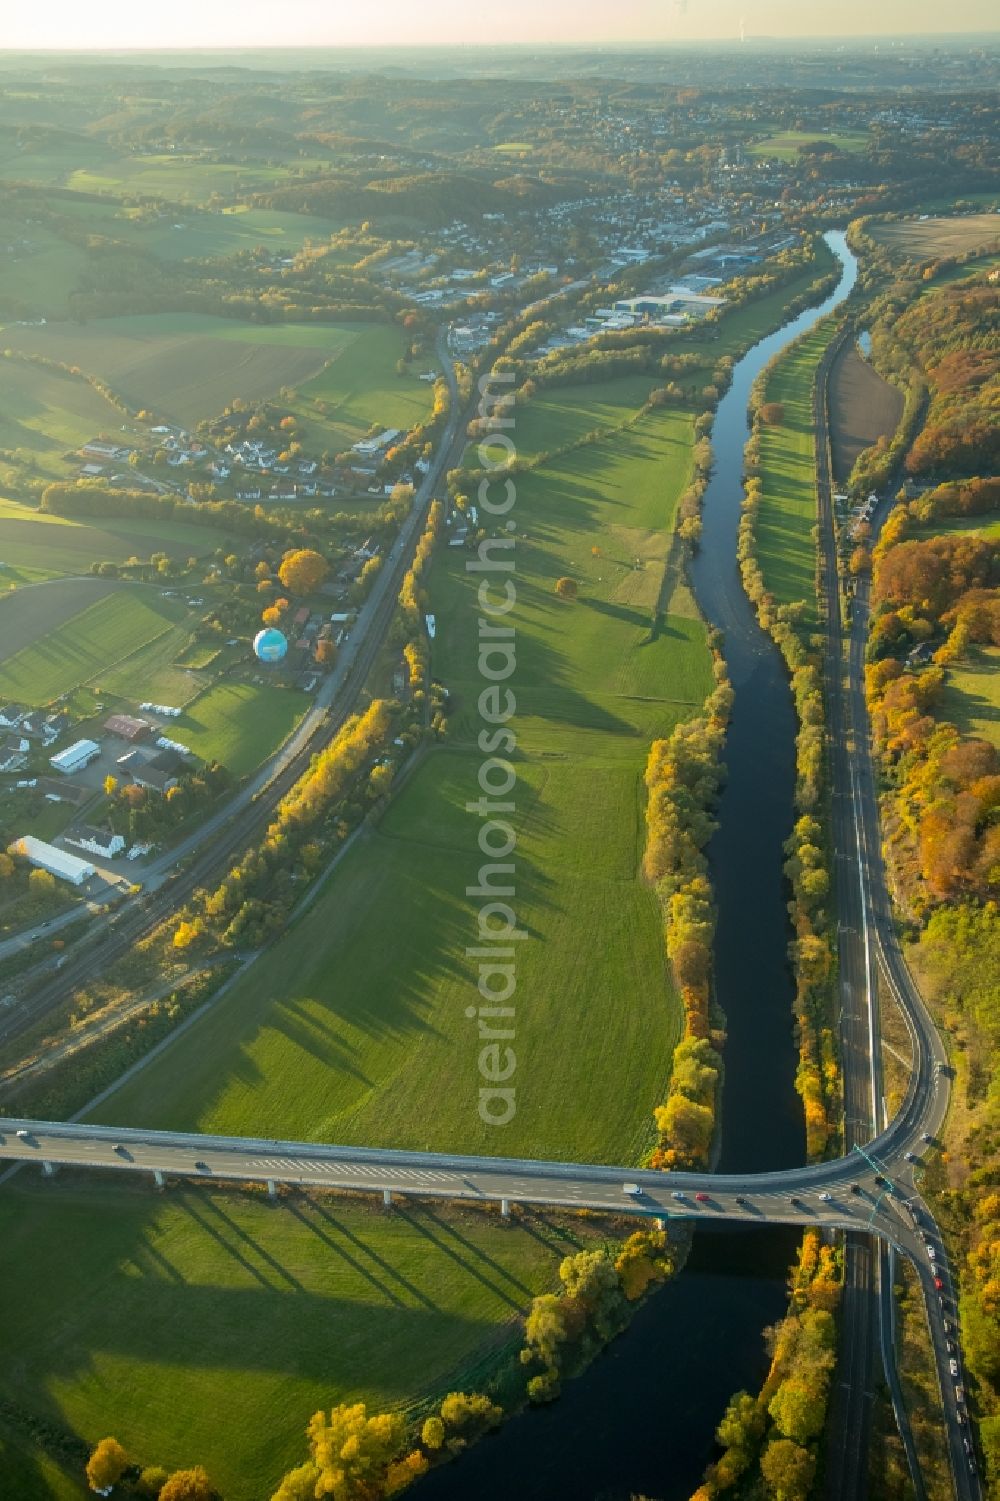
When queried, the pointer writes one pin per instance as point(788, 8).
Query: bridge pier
point(159, 1177)
point(272, 1189)
point(387, 1198)
point(505, 1209)
point(49, 1169)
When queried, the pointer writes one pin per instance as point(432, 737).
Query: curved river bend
point(641, 1420)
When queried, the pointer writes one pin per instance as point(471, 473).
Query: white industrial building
point(56, 862)
point(75, 757)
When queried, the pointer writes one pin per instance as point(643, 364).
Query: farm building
point(75, 757)
point(127, 727)
point(57, 862)
point(97, 841)
point(156, 773)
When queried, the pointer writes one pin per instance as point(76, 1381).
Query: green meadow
point(206, 1327)
point(971, 697)
point(787, 514)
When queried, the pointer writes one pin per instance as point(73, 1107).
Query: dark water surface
point(641, 1420)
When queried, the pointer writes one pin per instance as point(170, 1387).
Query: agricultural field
point(787, 514)
point(785, 145)
point(44, 414)
point(149, 1309)
point(35, 546)
point(102, 643)
point(359, 388)
point(863, 408)
point(227, 231)
point(922, 239)
point(971, 697)
point(187, 367)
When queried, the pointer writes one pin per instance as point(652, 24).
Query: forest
point(935, 607)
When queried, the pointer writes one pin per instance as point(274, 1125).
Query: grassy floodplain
point(784, 546)
point(167, 1308)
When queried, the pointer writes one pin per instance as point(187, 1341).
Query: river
point(641, 1420)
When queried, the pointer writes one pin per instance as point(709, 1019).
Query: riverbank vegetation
point(683, 778)
point(771, 1442)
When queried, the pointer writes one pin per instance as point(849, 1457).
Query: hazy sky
point(248, 23)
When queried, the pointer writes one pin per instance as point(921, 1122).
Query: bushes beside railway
point(252, 902)
point(683, 777)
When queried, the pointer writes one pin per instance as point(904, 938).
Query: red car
point(938, 1283)
point(702, 1198)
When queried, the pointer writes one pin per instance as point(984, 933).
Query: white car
point(932, 1253)
point(826, 1198)
point(23, 1135)
point(632, 1189)
point(953, 1368)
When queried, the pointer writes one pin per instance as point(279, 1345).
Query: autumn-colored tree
point(151, 1481)
point(326, 652)
point(352, 1451)
point(110, 785)
point(860, 560)
point(788, 1470)
point(303, 571)
point(106, 1465)
point(266, 586)
point(7, 867)
point(566, 588)
point(189, 1485)
point(185, 934)
point(772, 413)
point(41, 882)
point(270, 615)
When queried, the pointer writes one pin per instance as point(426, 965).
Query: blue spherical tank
point(270, 645)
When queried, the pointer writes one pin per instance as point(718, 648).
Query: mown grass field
point(787, 515)
point(239, 724)
point(35, 546)
point(971, 698)
point(185, 367)
point(207, 1327)
point(786, 144)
